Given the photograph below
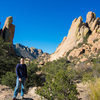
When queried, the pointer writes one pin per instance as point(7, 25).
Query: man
point(21, 73)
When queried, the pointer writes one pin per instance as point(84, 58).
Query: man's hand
point(20, 79)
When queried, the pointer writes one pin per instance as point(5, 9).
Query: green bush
point(33, 78)
point(59, 81)
point(9, 79)
point(87, 76)
point(60, 87)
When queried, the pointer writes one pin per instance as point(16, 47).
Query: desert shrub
point(87, 76)
point(59, 81)
point(88, 73)
point(59, 87)
point(31, 71)
point(9, 79)
point(33, 78)
point(54, 66)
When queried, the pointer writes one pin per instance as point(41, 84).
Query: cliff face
point(78, 31)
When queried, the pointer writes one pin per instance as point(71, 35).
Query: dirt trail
point(6, 94)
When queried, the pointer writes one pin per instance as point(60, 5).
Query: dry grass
point(95, 89)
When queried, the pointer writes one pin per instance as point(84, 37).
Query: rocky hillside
point(83, 38)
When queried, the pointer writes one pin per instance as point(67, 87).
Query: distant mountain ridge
point(31, 53)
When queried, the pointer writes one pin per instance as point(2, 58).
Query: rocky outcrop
point(42, 59)
point(79, 51)
point(8, 30)
point(78, 31)
point(92, 45)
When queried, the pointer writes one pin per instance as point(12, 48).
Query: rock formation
point(92, 45)
point(8, 30)
point(78, 31)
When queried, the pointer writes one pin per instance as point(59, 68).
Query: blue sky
point(43, 23)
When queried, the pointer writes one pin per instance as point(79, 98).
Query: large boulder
point(92, 21)
point(90, 18)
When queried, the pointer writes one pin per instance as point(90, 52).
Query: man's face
point(22, 60)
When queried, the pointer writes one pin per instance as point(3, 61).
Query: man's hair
point(22, 57)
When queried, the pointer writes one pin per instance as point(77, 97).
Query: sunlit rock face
point(76, 34)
